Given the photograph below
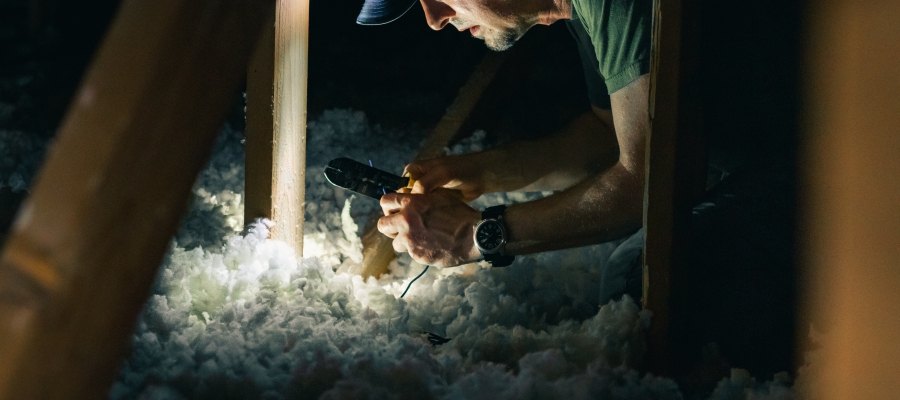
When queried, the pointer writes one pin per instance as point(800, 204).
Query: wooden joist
point(675, 169)
point(87, 243)
point(260, 128)
point(850, 230)
point(276, 124)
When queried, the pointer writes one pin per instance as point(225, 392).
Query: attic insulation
point(235, 315)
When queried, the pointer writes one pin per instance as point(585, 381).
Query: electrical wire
point(426, 267)
point(383, 190)
point(433, 338)
point(414, 279)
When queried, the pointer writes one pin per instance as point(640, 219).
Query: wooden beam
point(377, 249)
point(675, 169)
point(850, 233)
point(276, 124)
point(85, 248)
point(260, 128)
point(448, 128)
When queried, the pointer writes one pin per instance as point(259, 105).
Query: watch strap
point(496, 259)
point(494, 212)
point(499, 260)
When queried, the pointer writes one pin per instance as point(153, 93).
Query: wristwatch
point(491, 236)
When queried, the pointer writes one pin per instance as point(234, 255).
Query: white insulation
point(235, 315)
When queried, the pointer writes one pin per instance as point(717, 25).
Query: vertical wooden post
point(276, 151)
point(851, 197)
point(675, 162)
point(85, 248)
point(260, 128)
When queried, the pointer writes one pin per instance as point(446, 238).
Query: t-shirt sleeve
point(620, 32)
point(596, 87)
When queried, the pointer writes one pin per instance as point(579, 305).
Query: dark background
point(742, 286)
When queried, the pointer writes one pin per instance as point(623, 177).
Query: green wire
point(411, 282)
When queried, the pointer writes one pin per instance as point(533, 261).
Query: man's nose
point(437, 14)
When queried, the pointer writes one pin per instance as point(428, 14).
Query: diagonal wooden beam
point(378, 251)
point(87, 243)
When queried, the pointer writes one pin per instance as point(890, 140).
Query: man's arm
point(586, 146)
point(602, 207)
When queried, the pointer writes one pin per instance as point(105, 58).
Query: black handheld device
point(363, 179)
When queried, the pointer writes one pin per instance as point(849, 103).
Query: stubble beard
point(501, 40)
point(494, 39)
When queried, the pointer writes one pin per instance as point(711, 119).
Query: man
point(596, 163)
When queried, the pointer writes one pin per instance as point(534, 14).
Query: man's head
point(500, 23)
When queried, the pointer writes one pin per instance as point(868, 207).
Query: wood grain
point(260, 128)
point(87, 243)
point(275, 176)
point(289, 105)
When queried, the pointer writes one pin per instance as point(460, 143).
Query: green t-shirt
point(614, 41)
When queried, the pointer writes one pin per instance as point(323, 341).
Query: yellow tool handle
point(412, 181)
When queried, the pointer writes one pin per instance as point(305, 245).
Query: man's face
point(498, 22)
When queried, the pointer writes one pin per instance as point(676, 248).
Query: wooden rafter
point(850, 230)
point(85, 248)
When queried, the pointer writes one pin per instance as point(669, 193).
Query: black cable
point(436, 340)
point(411, 282)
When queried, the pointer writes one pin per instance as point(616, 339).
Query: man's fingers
point(400, 245)
point(419, 188)
point(392, 225)
point(417, 169)
point(428, 175)
point(395, 227)
point(435, 178)
point(392, 202)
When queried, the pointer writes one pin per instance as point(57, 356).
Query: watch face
point(489, 235)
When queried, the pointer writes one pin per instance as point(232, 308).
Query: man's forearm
point(606, 206)
point(436, 227)
point(598, 209)
point(582, 149)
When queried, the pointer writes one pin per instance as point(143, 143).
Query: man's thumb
point(426, 178)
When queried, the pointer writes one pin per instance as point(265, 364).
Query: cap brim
point(380, 12)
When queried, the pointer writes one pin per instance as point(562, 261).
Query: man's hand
point(598, 202)
point(462, 173)
point(435, 228)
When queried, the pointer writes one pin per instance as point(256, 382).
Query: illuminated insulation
point(237, 316)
